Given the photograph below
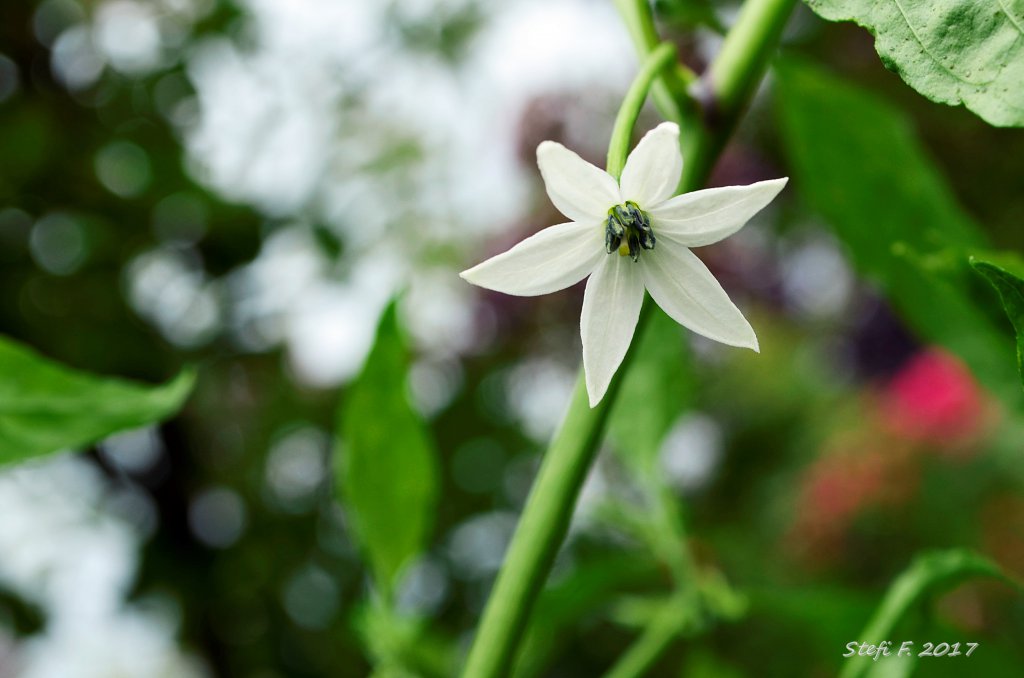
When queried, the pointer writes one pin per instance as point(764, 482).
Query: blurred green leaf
point(701, 662)
point(1011, 293)
point(929, 574)
point(46, 407)
point(658, 387)
point(688, 14)
point(967, 52)
point(387, 472)
point(820, 615)
point(857, 162)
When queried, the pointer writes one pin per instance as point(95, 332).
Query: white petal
point(611, 306)
point(579, 190)
point(703, 217)
point(652, 170)
point(684, 287)
point(548, 261)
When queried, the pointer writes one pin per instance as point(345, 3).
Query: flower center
point(628, 231)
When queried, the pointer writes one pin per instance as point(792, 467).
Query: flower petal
point(684, 287)
point(653, 168)
point(579, 190)
point(703, 217)
point(611, 306)
point(548, 261)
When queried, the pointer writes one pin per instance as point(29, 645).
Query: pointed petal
point(704, 217)
point(611, 306)
point(579, 190)
point(685, 289)
point(548, 261)
point(653, 168)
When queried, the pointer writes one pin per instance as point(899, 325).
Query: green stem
point(670, 91)
point(666, 626)
point(541, 528)
point(677, 549)
point(629, 111)
point(549, 507)
point(669, 541)
point(731, 80)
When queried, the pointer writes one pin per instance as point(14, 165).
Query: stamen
point(613, 234)
point(634, 246)
point(628, 230)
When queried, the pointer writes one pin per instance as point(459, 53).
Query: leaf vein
point(925, 49)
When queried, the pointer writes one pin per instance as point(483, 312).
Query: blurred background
point(245, 185)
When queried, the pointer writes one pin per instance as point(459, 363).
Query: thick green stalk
point(731, 80)
point(543, 525)
point(549, 507)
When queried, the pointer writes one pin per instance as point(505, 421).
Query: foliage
point(770, 497)
point(966, 51)
point(1011, 291)
point(929, 574)
point(46, 407)
point(859, 165)
point(386, 464)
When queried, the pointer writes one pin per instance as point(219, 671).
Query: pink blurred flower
point(935, 400)
point(857, 471)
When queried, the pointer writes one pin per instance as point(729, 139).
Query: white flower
point(637, 217)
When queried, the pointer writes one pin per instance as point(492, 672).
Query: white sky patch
point(76, 61)
point(692, 451)
point(270, 122)
point(129, 34)
point(327, 319)
point(64, 549)
point(170, 289)
point(817, 280)
point(537, 391)
point(264, 128)
point(320, 114)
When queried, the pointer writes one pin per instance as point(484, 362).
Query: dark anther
point(634, 246)
point(613, 234)
point(647, 238)
point(628, 222)
point(639, 218)
point(623, 214)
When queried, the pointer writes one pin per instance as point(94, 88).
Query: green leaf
point(1011, 293)
point(46, 407)
point(929, 574)
point(968, 52)
point(658, 387)
point(387, 472)
point(857, 162)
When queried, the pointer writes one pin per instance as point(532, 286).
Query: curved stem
point(545, 518)
point(670, 90)
point(629, 111)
